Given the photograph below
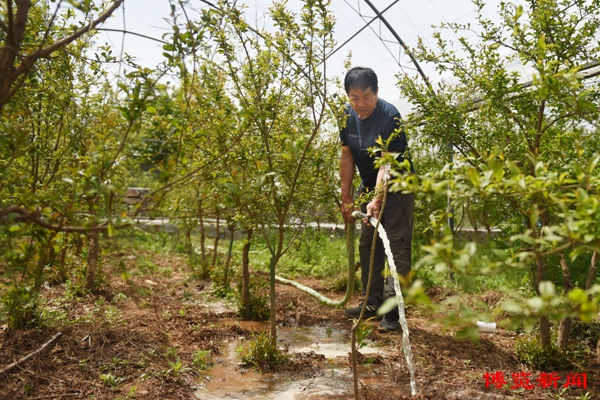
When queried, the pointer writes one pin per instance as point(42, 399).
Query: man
point(370, 117)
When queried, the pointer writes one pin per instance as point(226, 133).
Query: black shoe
point(388, 325)
point(370, 311)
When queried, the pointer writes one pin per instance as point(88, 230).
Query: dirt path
point(136, 347)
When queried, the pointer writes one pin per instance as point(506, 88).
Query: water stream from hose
point(401, 310)
point(399, 298)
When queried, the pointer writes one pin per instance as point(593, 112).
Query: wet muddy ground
point(136, 346)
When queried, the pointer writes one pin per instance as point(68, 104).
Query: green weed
point(110, 380)
point(263, 354)
point(369, 361)
point(130, 394)
point(51, 314)
point(328, 331)
point(222, 289)
point(119, 297)
point(259, 302)
point(362, 331)
point(146, 266)
point(202, 359)
point(170, 353)
point(177, 368)
point(113, 314)
point(529, 351)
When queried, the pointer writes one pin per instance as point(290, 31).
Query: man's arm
point(346, 177)
point(375, 205)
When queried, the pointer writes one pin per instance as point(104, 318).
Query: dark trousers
point(398, 224)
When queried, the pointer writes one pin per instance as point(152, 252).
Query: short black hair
point(361, 78)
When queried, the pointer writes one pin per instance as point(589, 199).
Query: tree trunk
point(44, 252)
point(216, 248)
point(565, 325)
point(272, 308)
point(62, 272)
point(563, 333)
point(202, 233)
point(540, 264)
point(10, 52)
point(51, 254)
point(273, 264)
point(188, 240)
point(545, 338)
point(246, 275)
point(472, 219)
point(30, 312)
point(592, 273)
point(92, 259)
point(78, 245)
point(226, 274)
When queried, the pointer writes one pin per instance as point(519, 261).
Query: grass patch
point(263, 354)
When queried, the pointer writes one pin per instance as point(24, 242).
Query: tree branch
point(30, 356)
point(23, 216)
point(567, 281)
point(14, 38)
point(29, 60)
point(538, 127)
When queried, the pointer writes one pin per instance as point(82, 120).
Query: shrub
point(263, 354)
point(530, 352)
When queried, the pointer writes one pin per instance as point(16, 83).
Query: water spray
point(399, 298)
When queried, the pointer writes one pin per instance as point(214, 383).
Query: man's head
point(361, 88)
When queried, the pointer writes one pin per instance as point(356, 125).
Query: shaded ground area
point(140, 345)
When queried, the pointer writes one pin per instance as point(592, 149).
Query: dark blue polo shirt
point(360, 135)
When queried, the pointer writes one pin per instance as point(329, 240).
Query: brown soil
point(134, 339)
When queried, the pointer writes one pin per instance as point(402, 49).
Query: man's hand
point(373, 209)
point(347, 208)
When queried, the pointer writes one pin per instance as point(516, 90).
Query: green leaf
point(547, 290)
point(577, 295)
point(536, 303)
point(518, 12)
point(469, 332)
point(388, 305)
point(541, 44)
point(511, 306)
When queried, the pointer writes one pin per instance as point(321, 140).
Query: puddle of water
point(209, 303)
point(217, 307)
point(226, 380)
point(279, 387)
point(226, 377)
point(331, 343)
